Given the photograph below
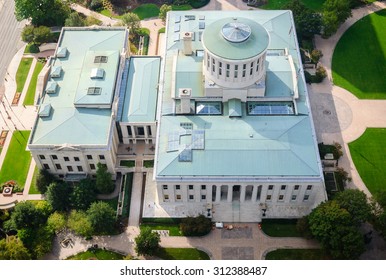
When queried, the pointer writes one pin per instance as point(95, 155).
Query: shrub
point(198, 3)
point(147, 242)
point(308, 77)
point(320, 74)
point(195, 226)
point(104, 183)
point(303, 227)
point(96, 4)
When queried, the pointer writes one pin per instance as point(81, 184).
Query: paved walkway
point(340, 116)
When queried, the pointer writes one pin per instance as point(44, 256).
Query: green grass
point(127, 198)
point(22, 73)
point(127, 163)
point(358, 63)
point(161, 30)
point(146, 11)
point(369, 155)
point(17, 160)
point(33, 189)
point(181, 254)
point(31, 48)
point(174, 229)
point(99, 254)
point(185, 7)
point(315, 5)
point(280, 228)
point(30, 96)
point(296, 254)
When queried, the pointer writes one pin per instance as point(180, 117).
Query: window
point(66, 159)
point(283, 187)
point(190, 187)
point(92, 166)
point(42, 157)
point(178, 187)
point(166, 197)
point(165, 187)
point(296, 187)
point(203, 197)
point(293, 197)
point(69, 168)
point(129, 131)
point(76, 158)
point(54, 157)
point(100, 59)
point(309, 187)
point(178, 197)
point(203, 187)
point(281, 197)
point(101, 157)
point(208, 108)
point(270, 187)
point(140, 131)
point(80, 168)
point(149, 130)
point(46, 166)
point(191, 197)
point(89, 157)
point(268, 197)
point(306, 197)
point(58, 167)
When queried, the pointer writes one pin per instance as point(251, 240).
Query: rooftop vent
point(184, 94)
point(97, 73)
point(100, 59)
point(61, 52)
point(51, 87)
point(94, 91)
point(56, 71)
point(45, 110)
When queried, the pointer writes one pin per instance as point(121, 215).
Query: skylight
point(94, 91)
point(100, 59)
point(270, 108)
point(208, 108)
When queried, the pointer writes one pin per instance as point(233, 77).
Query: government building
point(224, 111)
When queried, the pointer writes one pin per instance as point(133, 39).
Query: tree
point(43, 179)
point(333, 227)
point(83, 194)
point(25, 215)
point(42, 12)
point(355, 202)
point(147, 242)
point(196, 226)
point(56, 221)
point(27, 35)
point(74, 19)
point(12, 248)
point(316, 55)
point(102, 217)
point(42, 34)
point(334, 13)
point(79, 223)
point(92, 21)
point(132, 22)
point(57, 196)
point(104, 182)
point(164, 9)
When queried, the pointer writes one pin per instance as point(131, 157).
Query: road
point(10, 42)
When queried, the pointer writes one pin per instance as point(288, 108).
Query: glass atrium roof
point(236, 32)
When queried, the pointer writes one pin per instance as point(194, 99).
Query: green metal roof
point(140, 99)
point(66, 123)
point(214, 40)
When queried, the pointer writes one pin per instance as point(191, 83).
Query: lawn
point(30, 97)
point(22, 73)
point(315, 5)
point(296, 254)
point(181, 254)
point(33, 189)
point(146, 11)
point(17, 160)
point(174, 229)
point(280, 228)
point(358, 63)
point(98, 254)
point(184, 7)
point(369, 155)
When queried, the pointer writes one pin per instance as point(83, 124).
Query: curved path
point(342, 117)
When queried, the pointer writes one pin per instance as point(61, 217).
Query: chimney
point(185, 94)
point(187, 38)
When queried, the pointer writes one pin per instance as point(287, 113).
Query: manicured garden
point(358, 63)
point(22, 73)
point(146, 11)
point(181, 254)
point(97, 254)
point(315, 5)
point(17, 160)
point(369, 155)
point(33, 188)
point(296, 254)
point(280, 227)
point(30, 96)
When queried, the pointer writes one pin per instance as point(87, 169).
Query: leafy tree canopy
point(74, 19)
point(25, 215)
point(83, 194)
point(147, 242)
point(164, 9)
point(102, 217)
point(44, 177)
point(56, 221)
point(104, 183)
point(57, 196)
point(79, 223)
point(12, 248)
point(132, 22)
point(355, 202)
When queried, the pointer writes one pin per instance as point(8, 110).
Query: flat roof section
point(140, 98)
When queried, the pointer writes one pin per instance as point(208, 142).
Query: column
point(218, 194)
point(242, 193)
point(254, 193)
point(230, 193)
point(209, 193)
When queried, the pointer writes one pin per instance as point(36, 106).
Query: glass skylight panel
point(186, 125)
point(270, 108)
point(208, 108)
point(198, 139)
point(173, 141)
point(185, 155)
point(201, 25)
point(94, 90)
point(100, 59)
